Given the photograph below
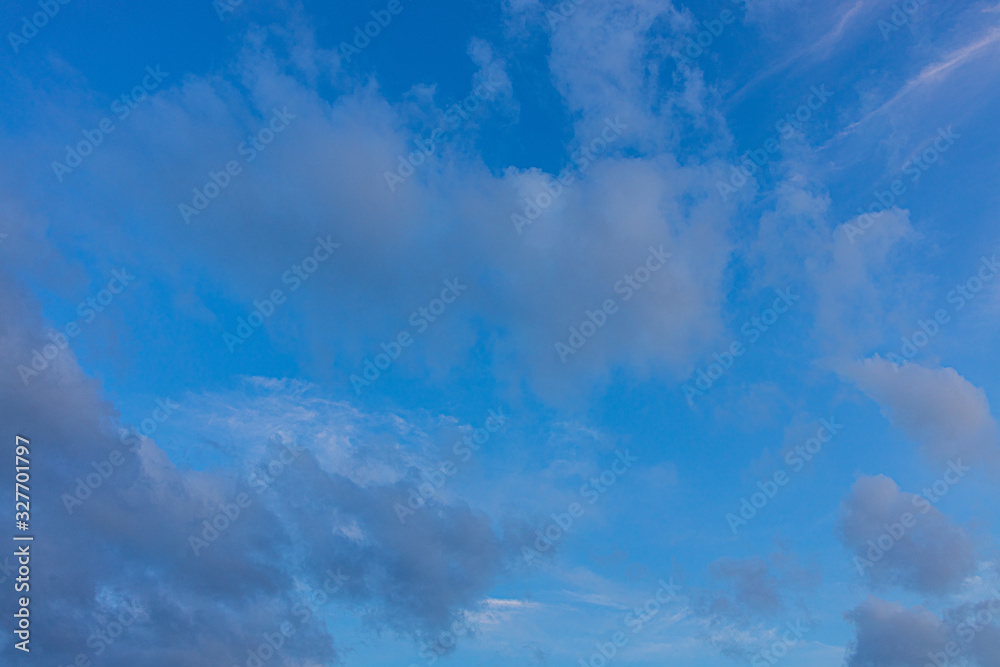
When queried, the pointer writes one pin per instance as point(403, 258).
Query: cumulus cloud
point(900, 538)
point(134, 530)
point(936, 407)
point(325, 174)
point(888, 634)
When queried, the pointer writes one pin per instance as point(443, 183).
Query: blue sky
point(761, 233)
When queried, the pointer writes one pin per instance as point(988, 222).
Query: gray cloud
point(737, 617)
point(128, 543)
point(752, 583)
point(889, 635)
point(900, 538)
point(937, 407)
point(333, 156)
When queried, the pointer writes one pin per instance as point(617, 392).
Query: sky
point(519, 332)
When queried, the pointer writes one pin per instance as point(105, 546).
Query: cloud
point(899, 538)
point(325, 175)
point(936, 407)
point(736, 619)
point(888, 634)
point(934, 73)
point(752, 583)
point(133, 531)
point(860, 282)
